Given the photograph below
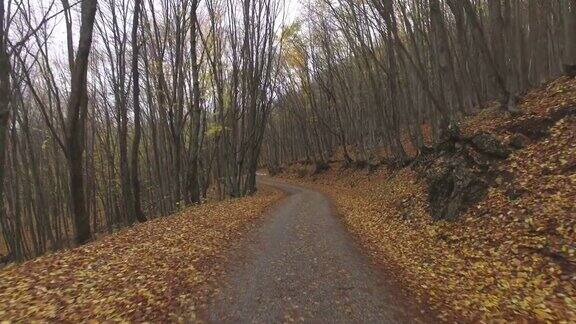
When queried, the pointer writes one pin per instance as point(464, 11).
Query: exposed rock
point(460, 169)
point(477, 158)
point(459, 172)
point(453, 185)
point(488, 144)
point(519, 141)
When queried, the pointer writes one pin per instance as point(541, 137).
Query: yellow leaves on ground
point(509, 257)
point(157, 271)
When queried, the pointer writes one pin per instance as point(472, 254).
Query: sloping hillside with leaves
point(158, 271)
point(511, 256)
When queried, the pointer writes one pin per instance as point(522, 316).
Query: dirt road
point(302, 265)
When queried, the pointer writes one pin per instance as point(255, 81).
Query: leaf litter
point(158, 271)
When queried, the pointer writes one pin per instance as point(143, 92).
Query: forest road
point(302, 265)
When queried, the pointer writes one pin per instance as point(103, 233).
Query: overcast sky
point(293, 9)
point(291, 12)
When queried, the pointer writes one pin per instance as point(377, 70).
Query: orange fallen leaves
point(157, 271)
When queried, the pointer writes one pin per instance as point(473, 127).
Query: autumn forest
point(148, 140)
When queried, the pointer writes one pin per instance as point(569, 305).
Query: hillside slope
point(512, 255)
point(158, 271)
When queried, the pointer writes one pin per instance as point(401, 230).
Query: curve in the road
point(301, 265)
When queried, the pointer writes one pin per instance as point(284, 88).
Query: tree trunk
point(137, 201)
point(5, 93)
point(76, 120)
point(193, 184)
point(570, 37)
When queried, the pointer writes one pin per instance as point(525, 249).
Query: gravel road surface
point(301, 265)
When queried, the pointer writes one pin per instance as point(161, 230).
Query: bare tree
point(76, 122)
point(139, 214)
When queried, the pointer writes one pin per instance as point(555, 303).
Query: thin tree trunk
point(193, 184)
point(139, 214)
point(570, 37)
